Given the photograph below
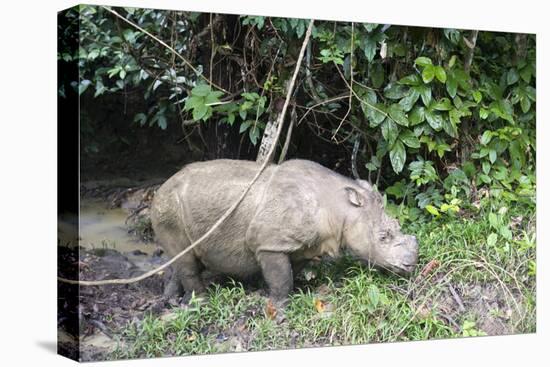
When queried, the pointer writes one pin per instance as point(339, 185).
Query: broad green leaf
point(451, 86)
point(491, 241)
point(449, 127)
point(477, 96)
point(512, 77)
point(409, 139)
point(84, 84)
point(432, 210)
point(425, 93)
point(374, 295)
point(409, 100)
point(161, 122)
point(390, 131)
point(435, 120)
point(396, 113)
point(417, 116)
point(201, 90)
point(440, 74)
point(444, 104)
point(192, 102)
point(398, 155)
point(428, 73)
point(199, 111)
point(412, 80)
point(395, 91)
point(377, 76)
point(525, 104)
point(486, 137)
point(245, 125)
point(254, 134)
point(492, 155)
point(486, 167)
point(423, 61)
point(369, 46)
point(526, 74)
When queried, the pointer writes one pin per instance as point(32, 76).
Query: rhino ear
point(354, 197)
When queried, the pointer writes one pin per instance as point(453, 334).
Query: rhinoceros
point(296, 211)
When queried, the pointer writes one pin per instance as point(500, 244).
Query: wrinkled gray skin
point(294, 212)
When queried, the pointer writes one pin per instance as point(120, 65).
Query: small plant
point(469, 329)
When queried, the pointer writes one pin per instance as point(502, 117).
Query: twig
point(293, 118)
point(457, 299)
point(332, 99)
point(350, 86)
point(356, 144)
point(228, 211)
point(168, 47)
point(471, 44)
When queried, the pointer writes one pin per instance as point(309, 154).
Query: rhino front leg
point(186, 277)
point(277, 272)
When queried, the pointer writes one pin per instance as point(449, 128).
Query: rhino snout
point(409, 258)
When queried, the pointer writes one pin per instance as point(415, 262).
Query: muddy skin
point(295, 212)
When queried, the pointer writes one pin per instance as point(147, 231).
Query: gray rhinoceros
point(296, 211)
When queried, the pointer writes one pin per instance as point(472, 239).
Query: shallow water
point(104, 227)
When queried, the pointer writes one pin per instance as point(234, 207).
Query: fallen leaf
point(429, 267)
point(270, 310)
point(319, 305)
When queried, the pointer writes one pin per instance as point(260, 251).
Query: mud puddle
point(104, 227)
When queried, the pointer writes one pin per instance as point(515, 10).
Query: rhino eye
point(385, 236)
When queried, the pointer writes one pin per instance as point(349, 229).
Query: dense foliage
point(434, 116)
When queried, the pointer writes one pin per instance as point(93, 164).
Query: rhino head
point(373, 236)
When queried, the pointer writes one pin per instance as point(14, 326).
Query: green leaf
point(451, 86)
point(492, 239)
point(398, 155)
point(477, 96)
point(409, 100)
point(374, 295)
point(141, 118)
point(440, 74)
point(525, 104)
point(84, 84)
point(201, 90)
point(432, 210)
point(377, 76)
point(435, 120)
point(492, 155)
point(512, 76)
point(444, 104)
point(409, 139)
point(396, 113)
point(423, 61)
point(390, 131)
point(417, 116)
point(486, 167)
point(411, 80)
point(486, 137)
point(449, 127)
point(526, 74)
point(369, 46)
point(199, 112)
point(428, 73)
point(395, 91)
point(161, 122)
point(425, 93)
point(245, 125)
point(254, 134)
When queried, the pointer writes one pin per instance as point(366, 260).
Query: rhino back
point(206, 190)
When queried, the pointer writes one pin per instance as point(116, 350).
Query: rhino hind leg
point(277, 272)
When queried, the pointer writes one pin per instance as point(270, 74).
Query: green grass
point(344, 303)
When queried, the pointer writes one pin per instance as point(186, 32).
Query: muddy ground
point(103, 312)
